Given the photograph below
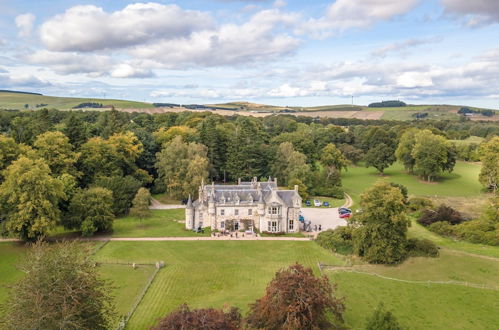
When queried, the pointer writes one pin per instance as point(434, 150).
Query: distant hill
point(32, 101)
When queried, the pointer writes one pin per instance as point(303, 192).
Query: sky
point(281, 52)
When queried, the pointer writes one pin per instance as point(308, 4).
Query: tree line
point(80, 169)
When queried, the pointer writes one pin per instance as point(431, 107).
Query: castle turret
point(189, 214)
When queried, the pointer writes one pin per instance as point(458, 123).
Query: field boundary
point(460, 283)
point(124, 321)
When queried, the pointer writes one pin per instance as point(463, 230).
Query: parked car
point(345, 215)
point(308, 203)
point(344, 212)
point(326, 204)
point(344, 209)
point(317, 202)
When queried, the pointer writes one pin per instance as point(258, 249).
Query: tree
point(214, 137)
point(90, 210)
point(296, 299)
point(98, 158)
point(55, 149)
point(75, 129)
point(203, 319)
point(182, 167)
point(405, 147)
point(163, 135)
point(382, 319)
point(489, 174)
point(61, 289)
point(380, 157)
point(431, 155)
point(382, 235)
point(128, 149)
point(302, 188)
point(332, 159)
point(290, 164)
point(9, 151)
point(29, 198)
point(123, 188)
point(141, 201)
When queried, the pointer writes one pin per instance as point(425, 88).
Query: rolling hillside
point(33, 101)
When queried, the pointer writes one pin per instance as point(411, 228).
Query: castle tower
point(189, 214)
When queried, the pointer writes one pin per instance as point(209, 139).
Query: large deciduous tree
point(489, 174)
point(9, 151)
point(296, 299)
point(202, 319)
point(380, 157)
point(123, 188)
point(405, 147)
point(382, 235)
point(55, 149)
point(332, 159)
point(29, 198)
point(182, 167)
point(290, 164)
point(61, 289)
point(432, 154)
point(90, 210)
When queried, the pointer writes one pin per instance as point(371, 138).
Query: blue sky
point(265, 51)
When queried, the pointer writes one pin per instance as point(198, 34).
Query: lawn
point(161, 223)
point(462, 182)
point(211, 273)
point(418, 305)
point(10, 253)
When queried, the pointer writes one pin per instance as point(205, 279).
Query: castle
point(247, 205)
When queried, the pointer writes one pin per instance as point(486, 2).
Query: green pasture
point(212, 273)
point(417, 305)
point(468, 141)
point(462, 182)
point(18, 101)
point(10, 253)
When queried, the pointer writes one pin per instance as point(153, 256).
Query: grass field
point(210, 273)
point(18, 101)
point(10, 253)
point(462, 182)
point(161, 223)
point(418, 306)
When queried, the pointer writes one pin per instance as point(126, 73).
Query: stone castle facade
point(247, 205)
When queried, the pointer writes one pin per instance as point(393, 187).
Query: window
point(222, 212)
point(273, 210)
point(272, 226)
point(250, 211)
point(222, 225)
point(236, 212)
point(291, 225)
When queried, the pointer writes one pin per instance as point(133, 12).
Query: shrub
point(442, 228)
point(337, 240)
point(478, 231)
point(419, 203)
point(421, 248)
point(332, 191)
point(442, 213)
point(381, 319)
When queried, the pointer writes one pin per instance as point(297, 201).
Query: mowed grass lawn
point(210, 274)
point(10, 253)
point(462, 182)
point(161, 223)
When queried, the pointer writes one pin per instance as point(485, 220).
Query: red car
point(345, 215)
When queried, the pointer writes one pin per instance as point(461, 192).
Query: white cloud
point(346, 14)
point(25, 24)
point(476, 12)
point(403, 46)
point(72, 62)
point(230, 44)
point(10, 80)
point(414, 79)
point(89, 28)
point(126, 70)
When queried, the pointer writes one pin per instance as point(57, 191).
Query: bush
point(478, 231)
point(442, 228)
point(332, 191)
point(337, 240)
point(442, 213)
point(421, 248)
point(419, 203)
point(209, 318)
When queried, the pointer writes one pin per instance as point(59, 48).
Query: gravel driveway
point(328, 218)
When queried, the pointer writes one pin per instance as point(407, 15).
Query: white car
point(317, 202)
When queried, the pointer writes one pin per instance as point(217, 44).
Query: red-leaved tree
point(202, 319)
point(296, 299)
